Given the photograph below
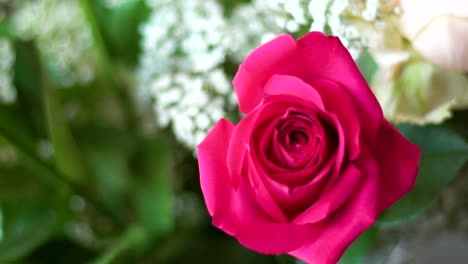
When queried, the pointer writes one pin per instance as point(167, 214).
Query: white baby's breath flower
point(63, 38)
point(7, 55)
point(262, 19)
point(184, 45)
point(8, 155)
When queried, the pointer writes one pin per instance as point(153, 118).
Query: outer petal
point(214, 175)
point(323, 57)
point(346, 224)
point(258, 67)
point(261, 193)
point(398, 160)
point(239, 140)
point(290, 85)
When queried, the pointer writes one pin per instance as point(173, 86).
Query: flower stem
point(109, 69)
point(132, 237)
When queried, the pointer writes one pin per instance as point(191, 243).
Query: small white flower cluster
point(7, 55)
point(251, 25)
point(184, 45)
point(256, 23)
point(64, 38)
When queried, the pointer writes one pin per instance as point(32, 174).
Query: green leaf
point(230, 6)
point(5, 29)
point(286, 259)
point(109, 166)
point(443, 155)
point(131, 238)
point(208, 248)
point(67, 154)
point(459, 123)
point(119, 28)
point(26, 226)
point(16, 134)
point(1, 224)
point(367, 65)
point(357, 252)
point(124, 30)
point(27, 81)
point(153, 195)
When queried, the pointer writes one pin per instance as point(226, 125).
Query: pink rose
point(313, 162)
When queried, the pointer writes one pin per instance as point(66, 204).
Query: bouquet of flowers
point(217, 131)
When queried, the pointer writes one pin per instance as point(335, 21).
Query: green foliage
point(120, 28)
point(443, 155)
point(459, 123)
point(29, 216)
point(367, 65)
point(25, 227)
point(153, 196)
point(357, 252)
point(67, 156)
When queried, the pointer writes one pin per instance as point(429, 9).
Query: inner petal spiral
point(297, 138)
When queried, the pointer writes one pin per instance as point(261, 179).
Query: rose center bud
point(297, 138)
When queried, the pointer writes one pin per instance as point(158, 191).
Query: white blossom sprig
point(260, 20)
point(7, 55)
point(181, 67)
point(62, 36)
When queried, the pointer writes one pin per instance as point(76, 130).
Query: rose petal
point(290, 85)
point(348, 222)
point(256, 230)
point(259, 66)
point(341, 152)
point(293, 200)
point(263, 196)
point(237, 149)
point(271, 167)
point(214, 176)
point(398, 160)
point(334, 198)
point(338, 101)
point(266, 109)
point(237, 212)
point(324, 57)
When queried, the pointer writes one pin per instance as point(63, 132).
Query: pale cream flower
point(425, 93)
point(409, 88)
point(438, 30)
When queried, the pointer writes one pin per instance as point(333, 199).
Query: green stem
point(54, 176)
point(97, 38)
point(25, 148)
point(132, 237)
point(105, 58)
